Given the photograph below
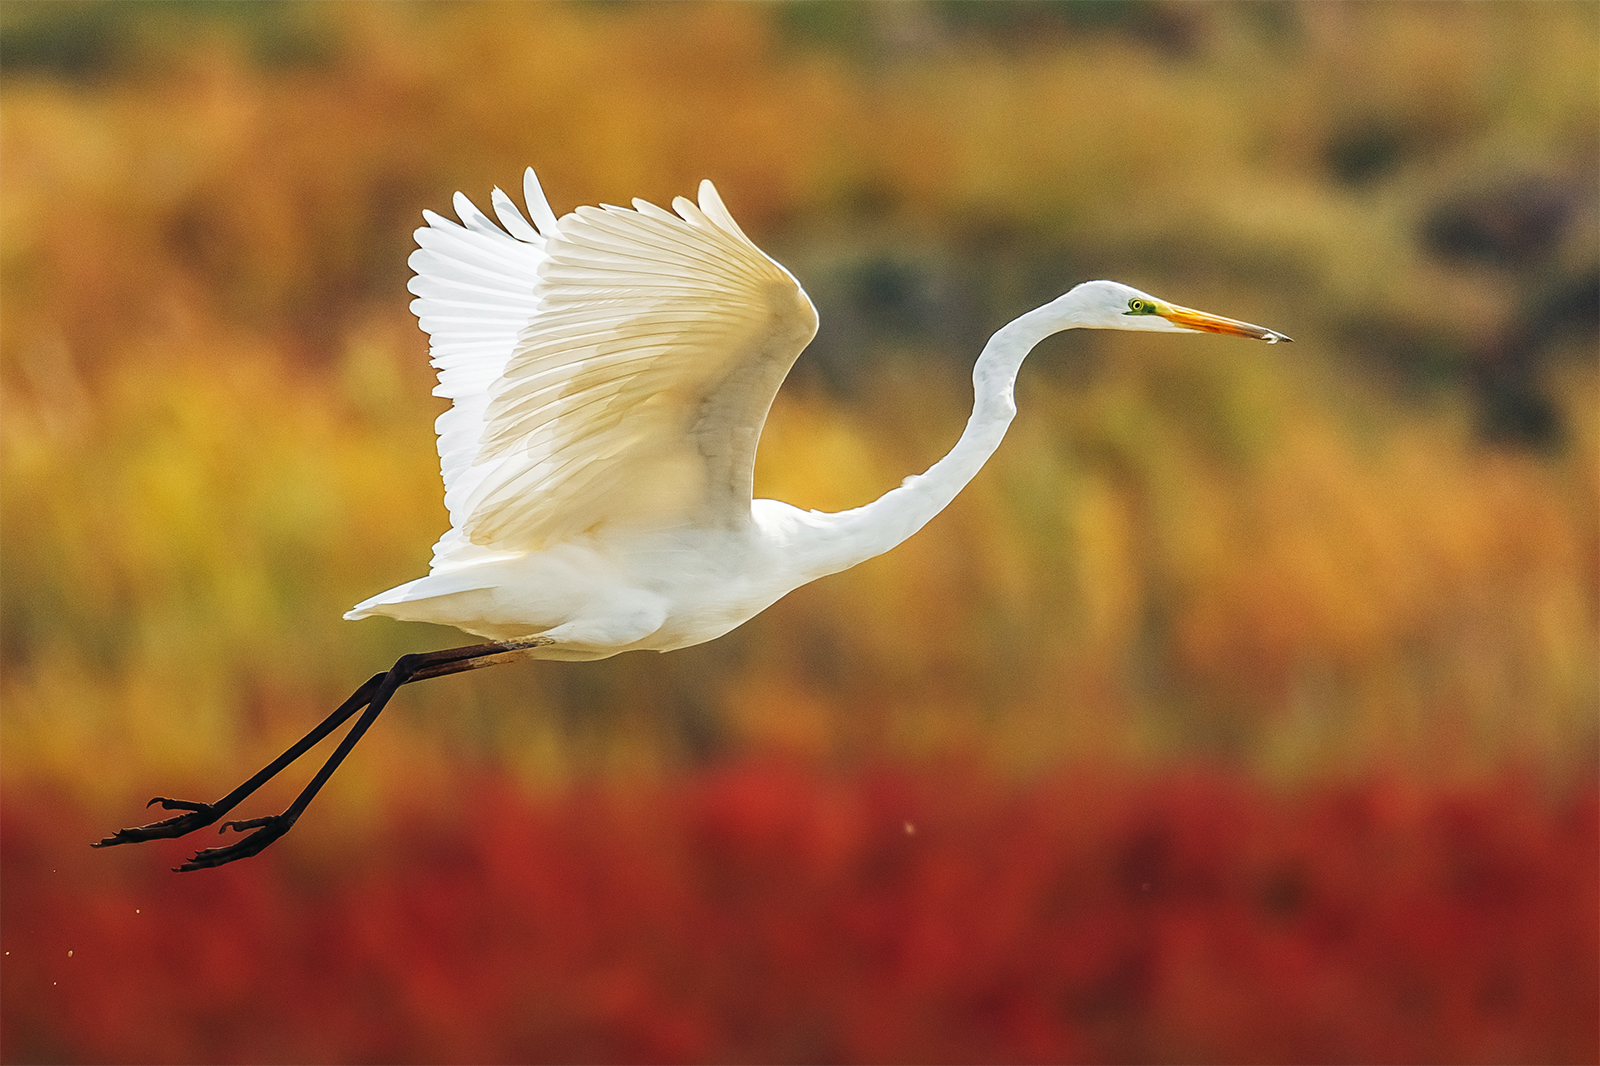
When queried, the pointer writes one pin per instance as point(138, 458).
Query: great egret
point(610, 372)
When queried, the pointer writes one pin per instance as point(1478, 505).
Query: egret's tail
point(435, 598)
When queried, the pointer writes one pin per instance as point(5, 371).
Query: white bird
point(609, 374)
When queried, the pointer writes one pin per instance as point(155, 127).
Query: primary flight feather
point(609, 373)
point(616, 369)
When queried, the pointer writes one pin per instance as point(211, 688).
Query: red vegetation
point(765, 914)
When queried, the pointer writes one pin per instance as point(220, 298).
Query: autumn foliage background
point(1243, 709)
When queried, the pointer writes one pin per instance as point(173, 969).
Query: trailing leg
point(203, 814)
point(371, 696)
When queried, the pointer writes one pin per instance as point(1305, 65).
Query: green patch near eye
point(1141, 307)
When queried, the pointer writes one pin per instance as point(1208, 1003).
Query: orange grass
point(216, 421)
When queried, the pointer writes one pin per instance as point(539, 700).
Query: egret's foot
point(200, 815)
point(266, 829)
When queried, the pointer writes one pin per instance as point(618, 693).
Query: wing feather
point(505, 209)
point(474, 285)
point(612, 367)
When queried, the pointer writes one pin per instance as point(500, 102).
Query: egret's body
point(613, 591)
point(610, 373)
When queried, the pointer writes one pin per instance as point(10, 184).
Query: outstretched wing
point(614, 367)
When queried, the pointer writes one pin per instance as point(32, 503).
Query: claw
point(267, 830)
point(177, 805)
point(200, 815)
point(241, 824)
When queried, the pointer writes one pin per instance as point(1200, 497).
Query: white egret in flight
point(609, 373)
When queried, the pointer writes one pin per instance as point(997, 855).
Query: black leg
point(373, 696)
point(203, 814)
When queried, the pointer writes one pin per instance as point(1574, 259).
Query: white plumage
point(609, 376)
point(609, 373)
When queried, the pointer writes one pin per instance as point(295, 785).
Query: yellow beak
point(1189, 318)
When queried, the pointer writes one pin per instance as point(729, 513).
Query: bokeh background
point(1243, 709)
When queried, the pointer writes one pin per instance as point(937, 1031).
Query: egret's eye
point(1140, 307)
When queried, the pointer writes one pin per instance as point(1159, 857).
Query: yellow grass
point(216, 421)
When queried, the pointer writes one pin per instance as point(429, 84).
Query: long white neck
point(842, 540)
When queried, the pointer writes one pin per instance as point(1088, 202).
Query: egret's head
point(1112, 305)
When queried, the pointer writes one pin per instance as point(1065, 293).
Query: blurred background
point(1243, 709)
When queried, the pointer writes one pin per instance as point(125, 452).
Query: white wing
point(614, 367)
